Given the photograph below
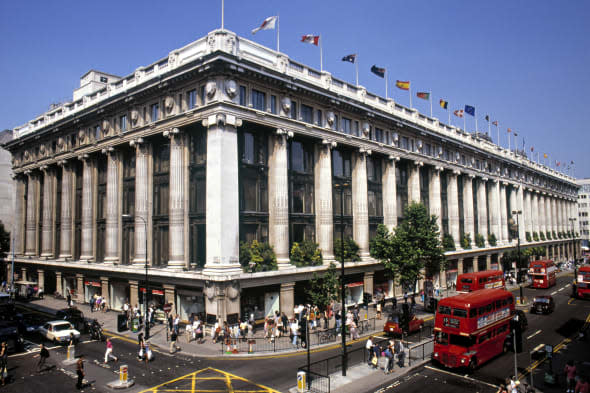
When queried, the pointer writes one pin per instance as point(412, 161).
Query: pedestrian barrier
point(421, 351)
point(312, 382)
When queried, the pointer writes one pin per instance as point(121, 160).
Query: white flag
point(268, 24)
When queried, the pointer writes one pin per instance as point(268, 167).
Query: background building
point(224, 141)
point(584, 210)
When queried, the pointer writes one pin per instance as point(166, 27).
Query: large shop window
point(342, 192)
point(161, 183)
point(197, 200)
point(102, 207)
point(401, 178)
point(301, 195)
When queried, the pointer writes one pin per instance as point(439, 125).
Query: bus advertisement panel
point(472, 328)
point(468, 282)
point(543, 273)
point(582, 282)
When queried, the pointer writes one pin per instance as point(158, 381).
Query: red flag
point(495, 122)
point(311, 39)
point(509, 130)
point(459, 113)
point(532, 148)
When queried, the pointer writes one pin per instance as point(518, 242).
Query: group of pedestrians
point(98, 303)
point(391, 350)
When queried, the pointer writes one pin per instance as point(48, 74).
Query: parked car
point(543, 304)
point(59, 332)
point(9, 334)
point(73, 315)
point(393, 326)
point(30, 323)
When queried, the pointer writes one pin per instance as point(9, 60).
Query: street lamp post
point(517, 213)
point(342, 291)
point(147, 282)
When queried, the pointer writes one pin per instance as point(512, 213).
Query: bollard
point(70, 355)
point(301, 382)
point(123, 382)
point(123, 373)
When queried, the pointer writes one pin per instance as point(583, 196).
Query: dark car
point(72, 315)
point(29, 324)
point(9, 334)
point(542, 305)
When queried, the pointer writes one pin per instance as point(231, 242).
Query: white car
point(59, 331)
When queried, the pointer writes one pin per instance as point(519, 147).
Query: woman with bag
point(4, 362)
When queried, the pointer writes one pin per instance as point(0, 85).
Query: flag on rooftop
point(350, 58)
point(380, 72)
point(572, 162)
point(470, 110)
point(545, 155)
point(487, 118)
point(423, 95)
point(311, 39)
point(509, 130)
point(532, 148)
point(443, 104)
point(404, 85)
point(459, 113)
point(495, 122)
point(268, 24)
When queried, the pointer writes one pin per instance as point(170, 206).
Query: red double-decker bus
point(582, 282)
point(471, 328)
point(468, 282)
point(543, 273)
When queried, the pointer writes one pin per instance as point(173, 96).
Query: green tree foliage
point(466, 241)
point(351, 250)
point(548, 234)
point(257, 257)
point(554, 236)
point(306, 253)
point(528, 236)
point(479, 240)
point(560, 235)
point(535, 236)
point(448, 242)
point(415, 246)
point(324, 289)
point(492, 240)
point(542, 235)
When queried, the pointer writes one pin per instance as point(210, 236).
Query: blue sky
point(525, 63)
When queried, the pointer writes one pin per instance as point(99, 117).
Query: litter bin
point(135, 325)
point(121, 322)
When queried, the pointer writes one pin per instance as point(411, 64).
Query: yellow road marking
point(224, 376)
point(570, 301)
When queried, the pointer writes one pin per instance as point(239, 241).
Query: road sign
point(167, 307)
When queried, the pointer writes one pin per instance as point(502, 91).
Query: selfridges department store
point(225, 141)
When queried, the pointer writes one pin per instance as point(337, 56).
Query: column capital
point(391, 157)
point(221, 119)
point(108, 150)
point(456, 172)
point(284, 133)
point(484, 179)
point(438, 168)
point(329, 144)
point(419, 163)
point(364, 151)
point(83, 157)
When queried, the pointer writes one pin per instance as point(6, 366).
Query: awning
point(92, 284)
point(23, 282)
point(354, 284)
point(153, 291)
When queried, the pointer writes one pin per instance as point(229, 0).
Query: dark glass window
point(306, 113)
point(273, 104)
point(318, 118)
point(258, 100)
point(243, 95)
point(293, 110)
point(191, 99)
point(155, 112)
point(123, 123)
point(379, 135)
point(346, 125)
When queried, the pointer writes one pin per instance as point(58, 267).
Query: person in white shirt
point(294, 331)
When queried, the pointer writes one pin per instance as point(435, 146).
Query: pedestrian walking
point(401, 353)
point(69, 299)
point(4, 363)
point(379, 310)
point(141, 344)
point(294, 332)
point(582, 386)
point(80, 372)
point(173, 338)
point(390, 359)
point(369, 348)
point(43, 356)
point(176, 324)
point(109, 352)
point(570, 376)
point(92, 302)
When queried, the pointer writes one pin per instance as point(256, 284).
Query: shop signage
point(154, 291)
point(92, 284)
point(355, 284)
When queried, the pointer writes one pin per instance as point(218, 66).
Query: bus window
point(461, 341)
point(472, 313)
point(459, 312)
point(505, 302)
point(445, 310)
point(483, 337)
point(481, 310)
point(510, 300)
point(498, 304)
point(489, 307)
point(482, 280)
point(467, 281)
point(442, 338)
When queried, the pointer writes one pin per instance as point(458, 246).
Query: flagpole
point(410, 90)
point(508, 142)
point(222, 6)
point(430, 96)
point(386, 83)
point(356, 63)
point(489, 127)
point(464, 123)
point(475, 124)
point(278, 31)
point(449, 113)
point(498, 132)
point(321, 54)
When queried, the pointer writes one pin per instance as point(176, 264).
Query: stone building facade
point(225, 140)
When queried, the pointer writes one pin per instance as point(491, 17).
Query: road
point(277, 372)
point(555, 329)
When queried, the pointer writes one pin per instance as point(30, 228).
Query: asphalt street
point(277, 372)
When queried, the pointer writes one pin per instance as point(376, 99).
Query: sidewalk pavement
point(158, 333)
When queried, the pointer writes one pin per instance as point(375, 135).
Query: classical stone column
point(368, 282)
point(564, 218)
point(460, 266)
point(18, 233)
point(390, 193)
point(104, 286)
point(48, 219)
point(86, 251)
point(32, 221)
point(475, 263)
point(287, 298)
point(527, 212)
point(58, 283)
point(360, 209)
point(142, 200)
point(65, 242)
point(414, 182)
point(222, 195)
point(41, 279)
point(80, 288)
point(542, 222)
point(468, 214)
point(535, 211)
point(169, 291)
point(513, 204)
point(548, 214)
point(554, 215)
point(133, 292)
point(113, 209)
point(520, 204)
point(324, 219)
point(482, 209)
point(434, 201)
point(489, 262)
point(500, 267)
point(494, 198)
point(503, 214)
point(453, 207)
point(176, 259)
point(278, 198)
point(23, 274)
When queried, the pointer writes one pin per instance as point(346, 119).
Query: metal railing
point(420, 351)
point(316, 382)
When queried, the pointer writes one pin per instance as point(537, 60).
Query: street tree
point(325, 288)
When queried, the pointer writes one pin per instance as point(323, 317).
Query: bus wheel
point(472, 365)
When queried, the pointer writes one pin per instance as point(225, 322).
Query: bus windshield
point(461, 341)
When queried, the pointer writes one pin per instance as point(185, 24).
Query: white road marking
point(553, 293)
point(561, 289)
point(533, 335)
point(567, 285)
point(461, 376)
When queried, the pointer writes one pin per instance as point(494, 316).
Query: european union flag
point(470, 110)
